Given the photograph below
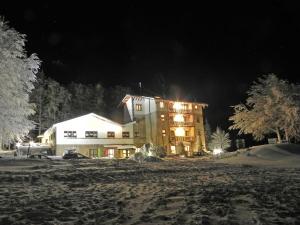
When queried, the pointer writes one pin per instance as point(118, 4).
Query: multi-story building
point(168, 123)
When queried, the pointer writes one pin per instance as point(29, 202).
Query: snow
point(173, 191)
point(276, 155)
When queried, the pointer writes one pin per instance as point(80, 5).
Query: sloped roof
point(104, 119)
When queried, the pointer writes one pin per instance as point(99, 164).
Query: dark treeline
point(54, 102)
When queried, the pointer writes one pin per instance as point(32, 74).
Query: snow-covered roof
point(139, 98)
point(88, 115)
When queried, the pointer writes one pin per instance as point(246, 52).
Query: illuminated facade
point(91, 135)
point(171, 124)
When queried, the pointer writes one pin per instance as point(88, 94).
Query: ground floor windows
point(110, 153)
point(93, 153)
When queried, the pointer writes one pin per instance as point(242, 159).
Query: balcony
point(185, 138)
point(181, 124)
point(180, 110)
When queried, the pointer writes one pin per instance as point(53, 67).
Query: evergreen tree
point(219, 140)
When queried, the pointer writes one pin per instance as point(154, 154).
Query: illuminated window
point(163, 132)
point(91, 134)
point(178, 118)
point(70, 134)
point(187, 148)
point(125, 134)
point(110, 134)
point(185, 106)
point(138, 107)
point(177, 106)
point(179, 132)
point(111, 153)
point(162, 117)
point(161, 105)
point(196, 107)
point(173, 149)
point(93, 153)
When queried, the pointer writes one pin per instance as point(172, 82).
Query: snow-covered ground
point(175, 191)
point(275, 155)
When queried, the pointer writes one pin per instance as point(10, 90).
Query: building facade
point(91, 135)
point(176, 125)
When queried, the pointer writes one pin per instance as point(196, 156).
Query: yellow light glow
point(178, 118)
point(179, 132)
point(177, 106)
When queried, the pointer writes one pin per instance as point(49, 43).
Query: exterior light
point(18, 144)
point(178, 118)
point(31, 143)
point(177, 106)
point(179, 132)
point(217, 151)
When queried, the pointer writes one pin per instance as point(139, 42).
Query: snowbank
point(281, 155)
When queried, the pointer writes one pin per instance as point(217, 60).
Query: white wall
point(92, 123)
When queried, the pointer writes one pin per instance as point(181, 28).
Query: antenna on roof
point(140, 87)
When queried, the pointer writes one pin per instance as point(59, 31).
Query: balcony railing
point(178, 124)
point(185, 138)
point(180, 110)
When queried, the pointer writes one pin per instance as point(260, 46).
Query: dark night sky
point(212, 52)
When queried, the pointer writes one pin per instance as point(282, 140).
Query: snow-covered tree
point(219, 140)
point(17, 74)
point(52, 102)
point(272, 106)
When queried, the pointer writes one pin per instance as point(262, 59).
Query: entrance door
point(125, 153)
point(111, 153)
point(188, 150)
point(93, 153)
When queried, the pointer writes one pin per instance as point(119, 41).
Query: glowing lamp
point(178, 118)
point(217, 151)
point(179, 132)
point(177, 106)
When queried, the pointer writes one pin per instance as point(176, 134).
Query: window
point(161, 105)
point(125, 134)
point(198, 119)
point(196, 107)
point(187, 133)
point(91, 134)
point(110, 134)
point(173, 149)
point(70, 134)
point(172, 133)
point(162, 117)
point(93, 153)
point(185, 106)
point(111, 153)
point(136, 134)
point(138, 107)
point(163, 132)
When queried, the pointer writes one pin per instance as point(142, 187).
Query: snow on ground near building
point(278, 155)
point(175, 191)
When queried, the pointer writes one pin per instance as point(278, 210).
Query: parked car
point(74, 155)
point(38, 156)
